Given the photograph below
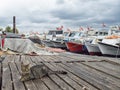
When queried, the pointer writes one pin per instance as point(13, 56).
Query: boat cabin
point(54, 34)
point(75, 35)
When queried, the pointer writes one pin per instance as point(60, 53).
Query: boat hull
point(74, 47)
point(109, 50)
point(59, 44)
point(55, 44)
point(35, 39)
point(47, 43)
point(93, 49)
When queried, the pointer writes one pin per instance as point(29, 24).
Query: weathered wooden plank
point(42, 59)
point(62, 59)
point(72, 59)
point(58, 81)
point(74, 77)
point(111, 60)
point(50, 84)
point(18, 85)
point(79, 57)
point(58, 58)
point(112, 66)
point(85, 76)
point(45, 81)
point(48, 58)
point(79, 81)
point(40, 84)
point(51, 58)
point(28, 84)
point(38, 58)
point(103, 69)
point(18, 62)
point(6, 75)
point(68, 80)
point(105, 79)
point(89, 57)
point(2, 58)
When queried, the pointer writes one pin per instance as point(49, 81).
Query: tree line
point(8, 29)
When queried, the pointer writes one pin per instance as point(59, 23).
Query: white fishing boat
point(93, 49)
point(58, 44)
point(55, 39)
point(54, 34)
point(109, 49)
point(110, 46)
point(47, 43)
point(54, 43)
point(97, 35)
point(75, 35)
point(75, 42)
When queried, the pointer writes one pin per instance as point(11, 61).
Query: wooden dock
point(84, 73)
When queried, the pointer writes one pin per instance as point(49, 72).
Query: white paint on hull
point(107, 49)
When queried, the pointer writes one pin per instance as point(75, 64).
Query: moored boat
point(75, 47)
point(93, 49)
point(58, 44)
point(109, 49)
point(47, 43)
point(55, 44)
point(110, 46)
point(92, 46)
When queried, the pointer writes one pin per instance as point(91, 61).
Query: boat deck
point(84, 73)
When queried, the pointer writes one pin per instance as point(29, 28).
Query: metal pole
point(14, 25)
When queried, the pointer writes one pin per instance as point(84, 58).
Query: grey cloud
point(68, 14)
point(59, 2)
point(93, 12)
point(71, 13)
point(5, 21)
point(38, 20)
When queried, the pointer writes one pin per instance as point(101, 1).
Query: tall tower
point(14, 25)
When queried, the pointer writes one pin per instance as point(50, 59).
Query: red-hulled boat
point(75, 47)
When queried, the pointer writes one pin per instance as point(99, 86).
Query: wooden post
point(14, 25)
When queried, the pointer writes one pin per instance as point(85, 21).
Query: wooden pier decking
point(84, 73)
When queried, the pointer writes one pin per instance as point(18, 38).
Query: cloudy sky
point(43, 15)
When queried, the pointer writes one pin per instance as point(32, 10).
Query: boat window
point(54, 34)
point(96, 33)
point(57, 32)
point(90, 33)
point(79, 34)
point(101, 33)
point(50, 33)
point(72, 35)
point(66, 33)
point(100, 39)
point(105, 33)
